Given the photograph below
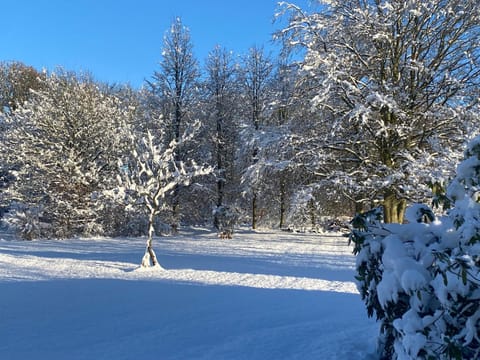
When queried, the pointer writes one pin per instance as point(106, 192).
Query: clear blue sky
point(121, 40)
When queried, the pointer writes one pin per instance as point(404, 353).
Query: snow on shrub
point(26, 221)
point(422, 279)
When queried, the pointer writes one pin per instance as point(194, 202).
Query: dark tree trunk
point(283, 198)
point(175, 208)
point(393, 207)
point(254, 211)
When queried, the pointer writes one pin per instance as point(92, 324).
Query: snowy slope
point(270, 295)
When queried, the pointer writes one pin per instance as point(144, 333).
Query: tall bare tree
point(221, 94)
point(175, 85)
point(257, 70)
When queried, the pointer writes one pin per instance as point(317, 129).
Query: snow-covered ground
point(261, 295)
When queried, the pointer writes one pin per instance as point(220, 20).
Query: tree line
point(369, 103)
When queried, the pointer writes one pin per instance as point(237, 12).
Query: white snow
point(260, 295)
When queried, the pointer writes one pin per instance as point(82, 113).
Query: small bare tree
point(151, 172)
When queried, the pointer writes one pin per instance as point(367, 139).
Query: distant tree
point(272, 173)
point(63, 144)
point(175, 85)
point(16, 82)
point(256, 74)
point(393, 81)
point(282, 101)
point(220, 85)
point(257, 70)
point(6, 176)
point(280, 162)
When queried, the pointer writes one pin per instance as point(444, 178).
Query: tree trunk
point(175, 224)
point(283, 205)
point(254, 196)
point(177, 157)
point(358, 207)
point(220, 165)
point(393, 207)
point(216, 220)
point(150, 259)
point(254, 211)
point(311, 211)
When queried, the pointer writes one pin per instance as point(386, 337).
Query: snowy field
point(262, 295)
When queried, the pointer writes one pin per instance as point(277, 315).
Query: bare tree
point(221, 94)
point(257, 70)
point(151, 171)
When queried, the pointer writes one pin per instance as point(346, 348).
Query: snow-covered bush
point(28, 222)
point(422, 279)
point(62, 148)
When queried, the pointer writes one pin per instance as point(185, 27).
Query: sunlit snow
point(270, 295)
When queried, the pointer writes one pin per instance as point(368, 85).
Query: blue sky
point(121, 40)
